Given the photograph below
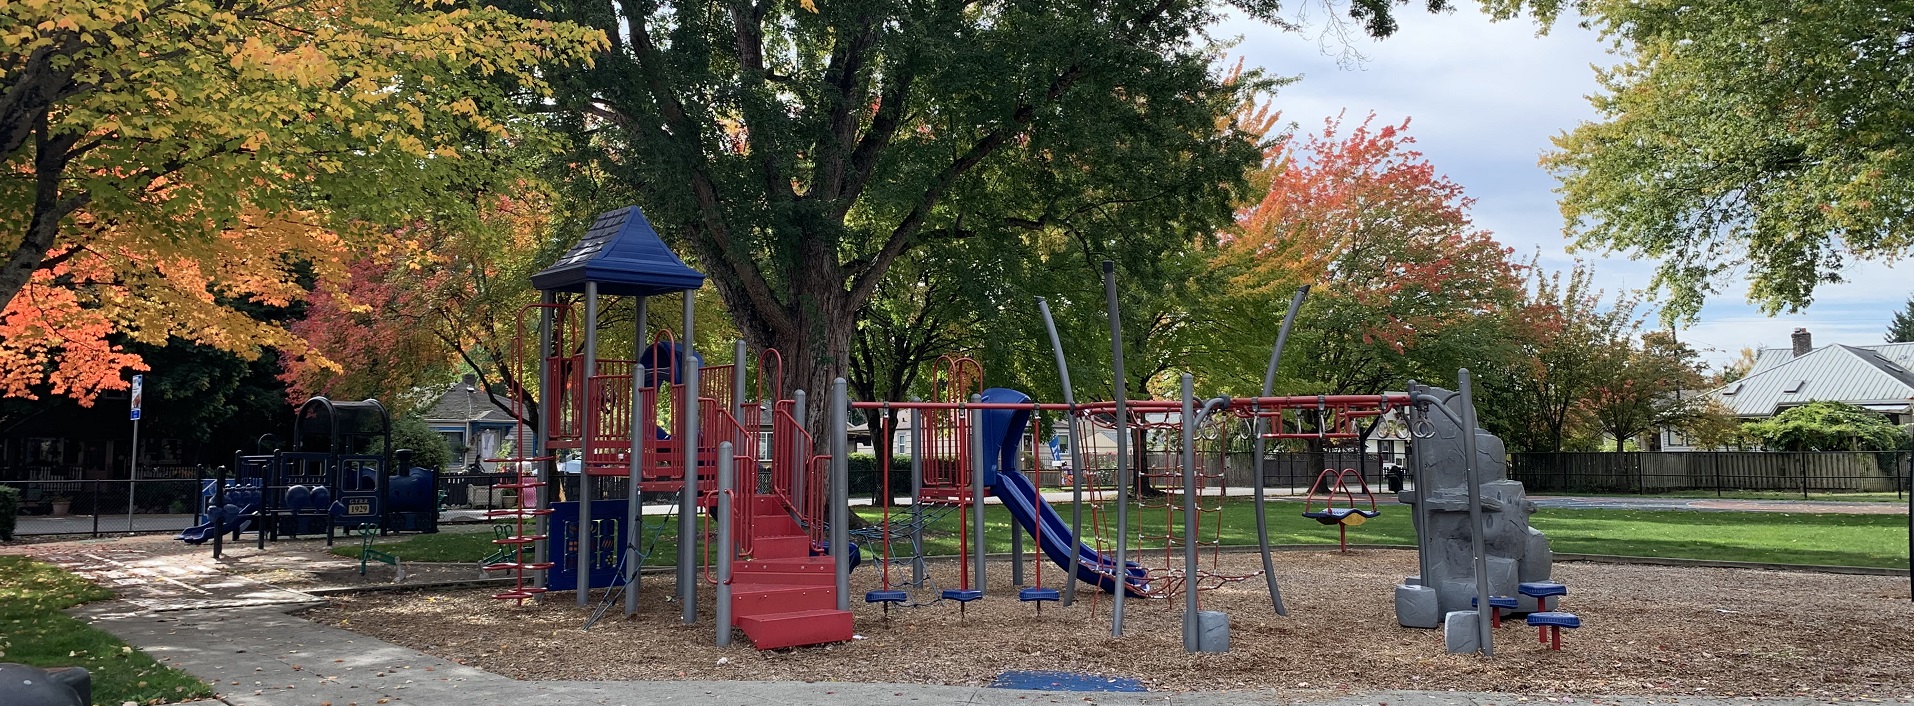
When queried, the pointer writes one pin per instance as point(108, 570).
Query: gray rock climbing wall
point(1440, 495)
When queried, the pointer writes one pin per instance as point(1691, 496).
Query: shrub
point(9, 511)
point(429, 449)
point(1827, 426)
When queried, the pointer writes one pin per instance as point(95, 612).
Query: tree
point(1399, 268)
point(799, 150)
point(151, 141)
point(1769, 136)
point(1647, 385)
point(1560, 335)
point(1901, 328)
point(1738, 368)
point(429, 449)
point(1827, 426)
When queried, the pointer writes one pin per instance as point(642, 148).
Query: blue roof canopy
point(624, 255)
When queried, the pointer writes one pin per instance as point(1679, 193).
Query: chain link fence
point(1720, 472)
point(101, 507)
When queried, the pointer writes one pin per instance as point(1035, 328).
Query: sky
point(1485, 99)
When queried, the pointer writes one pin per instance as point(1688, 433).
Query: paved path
point(259, 656)
point(164, 581)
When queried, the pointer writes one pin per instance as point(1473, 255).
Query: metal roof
point(624, 255)
point(1901, 354)
point(1858, 375)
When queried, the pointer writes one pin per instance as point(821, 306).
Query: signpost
point(133, 469)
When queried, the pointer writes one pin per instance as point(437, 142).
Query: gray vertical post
point(640, 437)
point(977, 463)
point(542, 496)
point(688, 499)
point(1261, 445)
point(1122, 568)
point(590, 368)
point(916, 497)
point(726, 551)
point(1474, 467)
point(132, 482)
point(634, 512)
point(1190, 628)
point(1076, 455)
point(840, 491)
point(800, 461)
point(738, 398)
point(1016, 547)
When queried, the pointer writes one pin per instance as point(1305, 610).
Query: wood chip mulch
point(1647, 630)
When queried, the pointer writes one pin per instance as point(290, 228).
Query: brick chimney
point(1803, 342)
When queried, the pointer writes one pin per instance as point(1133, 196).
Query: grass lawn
point(33, 631)
point(1871, 497)
point(1784, 538)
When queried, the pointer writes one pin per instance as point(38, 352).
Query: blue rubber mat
point(1063, 681)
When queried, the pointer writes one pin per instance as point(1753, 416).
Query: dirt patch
point(1648, 630)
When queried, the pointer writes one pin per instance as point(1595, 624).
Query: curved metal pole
point(1261, 445)
point(1121, 571)
point(1413, 415)
point(1076, 454)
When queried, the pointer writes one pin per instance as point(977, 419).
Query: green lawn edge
point(34, 631)
point(1803, 539)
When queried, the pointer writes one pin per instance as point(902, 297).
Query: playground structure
point(776, 541)
point(341, 474)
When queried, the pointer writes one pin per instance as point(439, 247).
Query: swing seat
point(962, 595)
point(1341, 515)
point(891, 596)
point(1039, 595)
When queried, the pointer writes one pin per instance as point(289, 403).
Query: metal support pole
point(590, 368)
point(132, 476)
point(801, 456)
point(738, 397)
point(1474, 466)
point(1189, 514)
point(1122, 568)
point(542, 495)
point(1076, 455)
point(219, 502)
point(977, 463)
point(688, 499)
point(1261, 446)
point(726, 550)
point(840, 491)
point(634, 510)
point(917, 569)
point(1016, 547)
point(641, 438)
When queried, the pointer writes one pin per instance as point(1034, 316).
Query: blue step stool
point(891, 596)
point(1499, 603)
point(1540, 591)
point(1550, 626)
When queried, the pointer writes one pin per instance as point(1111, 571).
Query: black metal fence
point(1721, 472)
point(98, 507)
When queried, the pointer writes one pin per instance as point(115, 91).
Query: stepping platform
point(1540, 591)
point(799, 627)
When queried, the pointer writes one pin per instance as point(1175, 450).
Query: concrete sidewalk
point(260, 656)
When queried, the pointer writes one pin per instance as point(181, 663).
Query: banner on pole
point(139, 382)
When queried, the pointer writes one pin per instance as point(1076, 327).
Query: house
point(1875, 377)
point(474, 427)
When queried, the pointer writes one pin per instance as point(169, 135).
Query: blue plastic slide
point(1003, 431)
point(203, 533)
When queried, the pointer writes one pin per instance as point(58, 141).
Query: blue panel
point(608, 537)
point(624, 255)
point(1063, 681)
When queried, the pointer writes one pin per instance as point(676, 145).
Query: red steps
point(782, 596)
